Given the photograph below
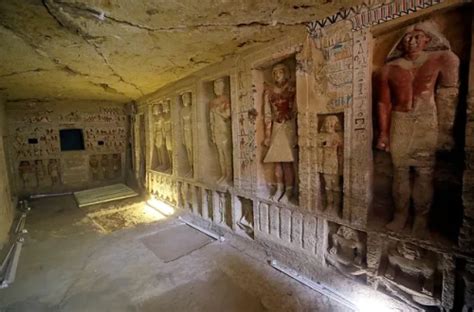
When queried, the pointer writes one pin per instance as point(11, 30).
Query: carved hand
point(383, 143)
point(445, 141)
point(266, 141)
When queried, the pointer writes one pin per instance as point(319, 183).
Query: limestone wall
point(40, 162)
point(338, 213)
point(7, 202)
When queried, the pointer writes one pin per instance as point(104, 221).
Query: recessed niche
point(33, 141)
point(71, 139)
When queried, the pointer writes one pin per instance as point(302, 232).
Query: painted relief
point(187, 130)
point(280, 131)
point(411, 274)
point(160, 157)
point(105, 167)
point(330, 162)
point(416, 98)
point(347, 250)
point(168, 134)
point(221, 129)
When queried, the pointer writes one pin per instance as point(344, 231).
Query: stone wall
point(7, 202)
point(43, 164)
point(341, 211)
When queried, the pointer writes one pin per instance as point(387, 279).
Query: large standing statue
point(220, 122)
point(280, 131)
point(417, 98)
point(330, 161)
point(187, 125)
point(167, 132)
point(158, 139)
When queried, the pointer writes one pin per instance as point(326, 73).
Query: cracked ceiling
point(120, 50)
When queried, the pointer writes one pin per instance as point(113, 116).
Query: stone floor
point(69, 263)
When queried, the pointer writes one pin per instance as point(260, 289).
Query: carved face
point(219, 86)
point(280, 73)
point(166, 107)
point(157, 109)
point(186, 98)
point(331, 124)
point(415, 41)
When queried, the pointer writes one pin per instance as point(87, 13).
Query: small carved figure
point(94, 167)
point(330, 161)
point(411, 270)
point(104, 165)
point(116, 165)
point(417, 98)
point(40, 172)
point(24, 169)
point(53, 171)
point(220, 125)
point(159, 159)
point(187, 126)
point(246, 220)
point(347, 252)
point(167, 133)
point(280, 131)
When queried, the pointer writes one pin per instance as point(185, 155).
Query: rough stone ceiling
point(119, 50)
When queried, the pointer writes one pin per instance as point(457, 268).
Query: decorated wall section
point(58, 147)
point(348, 146)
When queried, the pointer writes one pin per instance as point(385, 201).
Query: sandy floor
point(73, 261)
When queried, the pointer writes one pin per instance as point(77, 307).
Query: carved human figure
point(409, 262)
point(116, 165)
point(24, 170)
point(39, 172)
point(158, 137)
point(348, 250)
point(330, 161)
point(417, 98)
point(246, 220)
point(220, 126)
point(167, 133)
point(104, 165)
point(53, 171)
point(280, 131)
point(187, 127)
point(94, 167)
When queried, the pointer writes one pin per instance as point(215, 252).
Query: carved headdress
point(438, 41)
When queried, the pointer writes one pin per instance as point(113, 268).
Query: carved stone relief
point(330, 149)
point(168, 134)
point(415, 115)
point(159, 155)
point(105, 167)
point(411, 273)
point(279, 139)
point(347, 250)
point(187, 130)
point(244, 215)
point(221, 129)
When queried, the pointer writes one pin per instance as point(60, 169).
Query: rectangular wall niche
point(71, 139)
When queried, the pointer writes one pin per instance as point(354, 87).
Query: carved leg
point(422, 198)
point(221, 158)
point(170, 158)
point(279, 182)
point(289, 177)
point(401, 196)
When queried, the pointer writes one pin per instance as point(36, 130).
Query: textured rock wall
point(6, 199)
point(38, 161)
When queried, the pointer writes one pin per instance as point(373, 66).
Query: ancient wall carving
point(324, 158)
point(42, 166)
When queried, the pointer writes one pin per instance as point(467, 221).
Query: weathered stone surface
point(121, 50)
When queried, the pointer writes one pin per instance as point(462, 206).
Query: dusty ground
point(70, 264)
